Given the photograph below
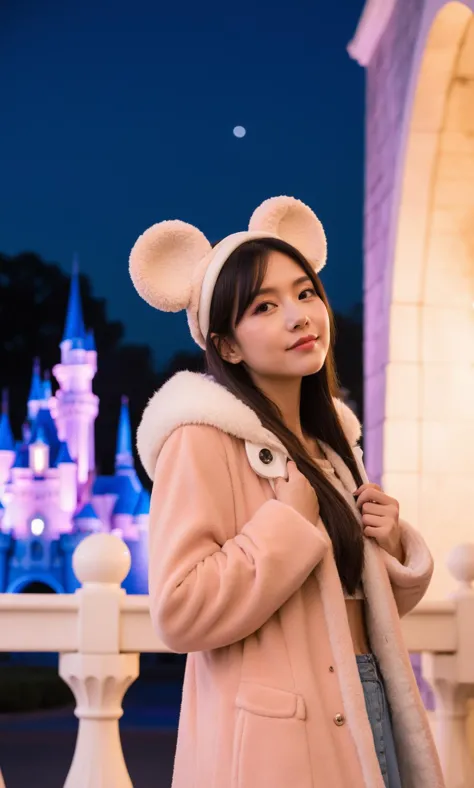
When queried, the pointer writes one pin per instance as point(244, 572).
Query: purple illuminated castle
point(50, 494)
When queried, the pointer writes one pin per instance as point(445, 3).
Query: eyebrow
point(267, 290)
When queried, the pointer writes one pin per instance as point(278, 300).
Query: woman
point(273, 562)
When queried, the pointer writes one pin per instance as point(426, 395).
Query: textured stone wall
point(388, 78)
point(389, 94)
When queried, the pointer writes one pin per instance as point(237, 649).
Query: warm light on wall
point(39, 457)
point(37, 526)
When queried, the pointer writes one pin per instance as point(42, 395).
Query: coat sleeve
point(210, 587)
point(411, 579)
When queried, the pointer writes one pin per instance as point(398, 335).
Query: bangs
point(250, 269)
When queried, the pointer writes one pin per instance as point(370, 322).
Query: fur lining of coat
point(391, 589)
point(193, 398)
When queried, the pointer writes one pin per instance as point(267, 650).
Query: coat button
point(265, 456)
point(339, 719)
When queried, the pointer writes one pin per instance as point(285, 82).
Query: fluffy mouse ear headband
point(174, 267)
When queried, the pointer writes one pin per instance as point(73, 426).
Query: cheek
point(324, 319)
point(256, 341)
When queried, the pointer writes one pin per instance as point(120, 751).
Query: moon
point(240, 131)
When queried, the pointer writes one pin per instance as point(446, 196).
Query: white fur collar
point(192, 398)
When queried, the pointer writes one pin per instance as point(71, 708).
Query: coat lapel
point(419, 764)
point(332, 598)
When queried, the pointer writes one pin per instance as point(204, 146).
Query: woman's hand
point(380, 517)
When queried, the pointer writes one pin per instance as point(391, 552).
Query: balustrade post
point(452, 678)
point(98, 674)
point(452, 703)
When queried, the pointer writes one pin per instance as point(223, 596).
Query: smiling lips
point(304, 343)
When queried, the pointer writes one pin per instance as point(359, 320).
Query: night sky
point(118, 116)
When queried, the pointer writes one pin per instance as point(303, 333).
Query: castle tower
point(47, 388)
point(36, 395)
point(87, 521)
point(76, 404)
point(7, 443)
point(141, 514)
point(123, 454)
point(123, 511)
point(49, 401)
point(67, 479)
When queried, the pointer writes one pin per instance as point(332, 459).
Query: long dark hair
point(237, 285)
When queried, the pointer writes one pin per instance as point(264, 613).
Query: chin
point(313, 365)
point(315, 368)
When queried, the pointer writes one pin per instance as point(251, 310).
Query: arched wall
point(428, 448)
point(418, 272)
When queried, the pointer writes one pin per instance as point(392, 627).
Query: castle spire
point(36, 388)
point(90, 340)
point(74, 328)
point(124, 453)
point(47, 388)
point(7, 442)
point(75, 405)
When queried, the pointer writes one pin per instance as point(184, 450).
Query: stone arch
point(21, 584)
point(428, 432)
point(37, 587)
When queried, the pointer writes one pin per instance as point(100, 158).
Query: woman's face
point(285, 311)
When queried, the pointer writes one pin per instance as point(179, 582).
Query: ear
point(295, 223)
point(162, 263)
point(227, 349)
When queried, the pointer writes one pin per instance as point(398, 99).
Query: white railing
point(99, 633)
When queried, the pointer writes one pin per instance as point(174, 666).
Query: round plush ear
point(295, 223)
point(162, 263)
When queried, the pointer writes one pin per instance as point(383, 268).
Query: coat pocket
point(270, 744)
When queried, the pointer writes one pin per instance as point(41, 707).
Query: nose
point(296, 317)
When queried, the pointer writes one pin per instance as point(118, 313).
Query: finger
point(371, 493)
point(380, 509)
point(371, 532)
point(376, 509)
point(374, 521)
point(375, 533)
point(368, 493)
point(384, 507)
point(374, 495)
point(369, 496)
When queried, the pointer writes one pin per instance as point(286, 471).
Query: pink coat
point(272, 696)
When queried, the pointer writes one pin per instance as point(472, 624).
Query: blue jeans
point(378, 712)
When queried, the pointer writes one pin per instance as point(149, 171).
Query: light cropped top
point(328, 469)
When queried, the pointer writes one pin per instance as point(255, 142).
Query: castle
point(50, 494)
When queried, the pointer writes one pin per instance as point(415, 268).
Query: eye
point(309, 290)
point(260, 309)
